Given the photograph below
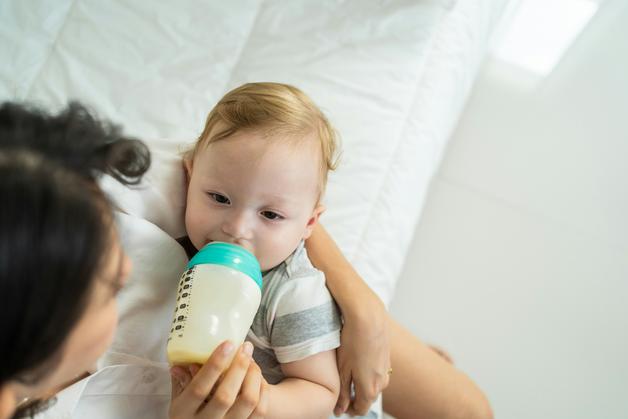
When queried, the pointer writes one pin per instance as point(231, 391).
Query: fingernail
point(247, 348)
point(227, 348)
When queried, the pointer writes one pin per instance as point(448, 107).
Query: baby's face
point(258, 193)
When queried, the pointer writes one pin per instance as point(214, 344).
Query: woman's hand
point(201, 392)
point(364, 353)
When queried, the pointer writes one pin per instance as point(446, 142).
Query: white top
point(119, 391)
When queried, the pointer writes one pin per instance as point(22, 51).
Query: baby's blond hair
point(280, 110)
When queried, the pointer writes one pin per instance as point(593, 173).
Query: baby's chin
point(267, 265)
point(265, 268)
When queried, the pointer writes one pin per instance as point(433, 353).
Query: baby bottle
point(218, 297)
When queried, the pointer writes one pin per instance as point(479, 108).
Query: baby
point(256, 177)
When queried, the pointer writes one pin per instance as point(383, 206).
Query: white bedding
point(392, 76)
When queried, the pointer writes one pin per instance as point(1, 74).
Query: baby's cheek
point(193, 223)
point(276, 251)
point(266, 257)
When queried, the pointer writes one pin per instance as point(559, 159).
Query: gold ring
point(389, 372)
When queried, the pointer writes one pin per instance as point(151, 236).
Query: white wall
point(519, 265)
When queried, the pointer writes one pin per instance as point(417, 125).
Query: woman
point(61, 265)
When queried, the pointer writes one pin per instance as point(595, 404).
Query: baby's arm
point(309, 390)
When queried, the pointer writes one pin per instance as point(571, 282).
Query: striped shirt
point(297, 317)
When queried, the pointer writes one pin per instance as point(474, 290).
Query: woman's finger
point(344, 397)
point(360, 406)
point(262, 404)
point(247, 400)
point(367, 388)
point(194, 368)
point(193, 395)
point(365, 395)
point(226, 393)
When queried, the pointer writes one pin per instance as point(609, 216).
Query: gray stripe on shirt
point(319, 320)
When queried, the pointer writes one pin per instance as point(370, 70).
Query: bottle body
point(214, 303)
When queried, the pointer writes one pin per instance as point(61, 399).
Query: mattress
point(391, 76)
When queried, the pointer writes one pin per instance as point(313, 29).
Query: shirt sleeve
point(306, 320)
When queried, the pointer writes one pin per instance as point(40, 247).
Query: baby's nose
point(237, 226)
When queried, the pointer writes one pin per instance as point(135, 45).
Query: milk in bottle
point(217, 299)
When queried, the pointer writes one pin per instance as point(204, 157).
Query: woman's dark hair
point(75, 139)
point(55, 226)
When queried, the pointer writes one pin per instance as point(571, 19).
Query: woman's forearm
point(343, 282)
point(364, 354)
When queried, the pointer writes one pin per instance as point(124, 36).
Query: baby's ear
point(311, 223)
point(187, 165)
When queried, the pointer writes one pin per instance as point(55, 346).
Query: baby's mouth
point(236, 242)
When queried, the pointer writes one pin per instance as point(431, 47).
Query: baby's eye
point(271, 215)
point(221, 199)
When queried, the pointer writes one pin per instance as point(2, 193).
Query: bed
point(392, 77)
